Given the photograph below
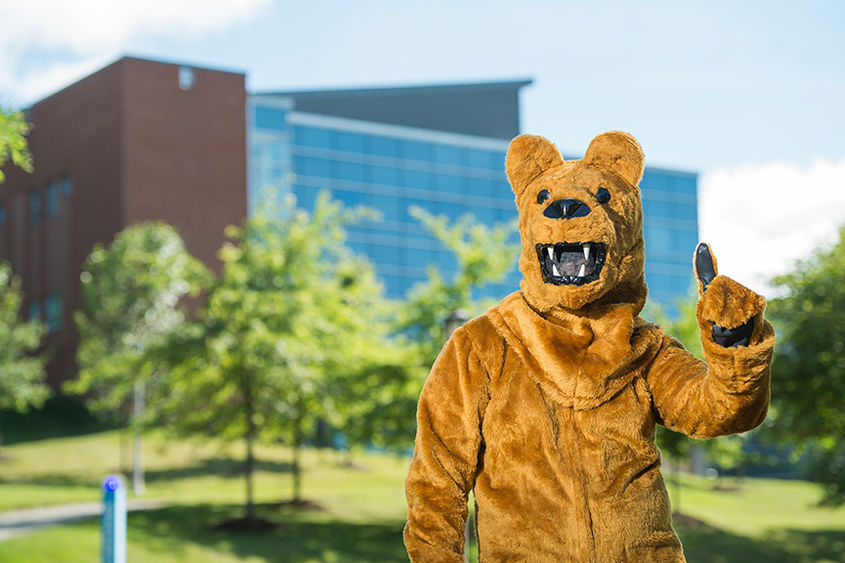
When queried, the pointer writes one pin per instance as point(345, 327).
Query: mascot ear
point(618, 152)
point(528, 157)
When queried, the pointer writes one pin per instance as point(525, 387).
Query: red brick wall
point(185, 152)
point(136, 148)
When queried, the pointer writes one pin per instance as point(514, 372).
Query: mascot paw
point(725, 304)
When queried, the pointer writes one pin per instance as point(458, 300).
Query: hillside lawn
point(361, 508)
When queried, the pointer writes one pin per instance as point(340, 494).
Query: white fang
point(582, 271)
point(586, 252)
point(551, 252)
point(555, 271)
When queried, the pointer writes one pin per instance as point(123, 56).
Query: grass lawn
point(363, 507)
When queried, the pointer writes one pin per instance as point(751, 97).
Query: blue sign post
point(114, 520)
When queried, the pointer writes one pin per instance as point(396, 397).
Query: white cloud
point(760, 219)
point(81, 35)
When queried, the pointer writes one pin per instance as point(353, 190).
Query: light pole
point(454, 321)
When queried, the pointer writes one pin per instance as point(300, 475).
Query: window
point(384, 146)
point(34, 309)
point(266, 118)
point(53, 311)
point(416, 151)
point(446, 154)
point(308, 166)
point(350, 142)
point(448, 183)
point(416, 179)
point(312, 137)
point(2, 214)
point(384, 175)
point(52, 199)
point(67, 186)
point(34, 206)
point(351, 171)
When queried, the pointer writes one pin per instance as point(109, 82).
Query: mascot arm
point(730, 392)
point(446, 450)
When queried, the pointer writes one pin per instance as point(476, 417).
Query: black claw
point(733, 337)
point(704, 265)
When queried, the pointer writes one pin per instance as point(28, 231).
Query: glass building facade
point(391, 168)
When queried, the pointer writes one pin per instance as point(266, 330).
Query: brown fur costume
point(546, 405)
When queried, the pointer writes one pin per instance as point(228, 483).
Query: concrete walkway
point(21, 522)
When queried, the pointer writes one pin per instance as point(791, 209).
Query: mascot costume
point(546, 405)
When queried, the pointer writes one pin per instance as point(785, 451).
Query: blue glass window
point(352, 171)
point(2, 215)
point(418, 257)
point(384, 175)
point(416, 150)
point(53, 311)
point(384, 146)
point(485, 215)
point(34, 206)
point(269, 118)
point(447, 154)
point(479, 187)
point(52, 199)
point(309, 166)
point(306, 197)
point(34, 309)
point(417, 179)
point(658, 239)
point(389, 206)
point(352, 199)
point(350, 142)
point(396, 286)
point(447, 183)
point(67, 186)
point(489, 160)
point(312, 137)
point(423, 203)
point(384, 254)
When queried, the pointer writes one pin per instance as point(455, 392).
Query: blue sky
point(750, 94)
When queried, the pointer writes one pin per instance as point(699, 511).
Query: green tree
point(809, 364)
point(726, 452)
point(13, 145)
point(484, 254)
point(292, 314)
point(21, 369)
point(132, 295)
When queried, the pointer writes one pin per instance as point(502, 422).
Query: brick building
point(137, 140)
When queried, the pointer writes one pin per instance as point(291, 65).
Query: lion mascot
point(546, 405)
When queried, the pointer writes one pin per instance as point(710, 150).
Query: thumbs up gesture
point(729, 307)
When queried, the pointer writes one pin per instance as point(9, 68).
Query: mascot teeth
point(571, 263)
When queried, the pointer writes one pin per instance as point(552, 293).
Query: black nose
point(566, 209)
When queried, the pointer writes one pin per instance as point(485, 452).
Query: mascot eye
point(542, 196)
point(603, 195)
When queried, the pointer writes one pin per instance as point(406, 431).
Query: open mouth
point(571, 263)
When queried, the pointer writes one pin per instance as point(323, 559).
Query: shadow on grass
point(53, 480)
point(711, 545)
point(217, 466)
point(319, 537)
point(59, 417)
point(296, 538)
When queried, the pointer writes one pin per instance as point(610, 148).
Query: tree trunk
point(676, 473)
point(249, 465)
point(124, 447)
point(297, 441)
point(138, 485)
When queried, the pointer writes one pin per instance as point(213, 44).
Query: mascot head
point(581, 222)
